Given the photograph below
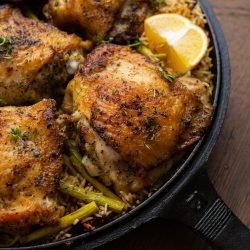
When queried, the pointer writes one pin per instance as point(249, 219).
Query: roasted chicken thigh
point(95, 17)
point(30, 165)
point(121, 19)
point(36, 59)
point(130, 118)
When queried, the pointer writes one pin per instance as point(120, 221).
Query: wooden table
point(229, 165)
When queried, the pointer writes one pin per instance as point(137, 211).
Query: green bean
point(82, 194)
point(64, 222)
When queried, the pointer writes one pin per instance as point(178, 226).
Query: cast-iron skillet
point(188, 195)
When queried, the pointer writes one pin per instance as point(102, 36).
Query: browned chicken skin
point(95, 17)
point(130, 118)
point(35, 59)
point(121, 19)
point(30, 165)
point(129, 22)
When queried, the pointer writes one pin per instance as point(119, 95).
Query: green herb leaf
point(115, 91)
point(134, 44)
point(6, 47)
point(15, 134)
point(147, 146)
point(101, 39)
point(150, 122)
point(125, 112)
point(36, 153)
point(2, 102)
point(166, 75)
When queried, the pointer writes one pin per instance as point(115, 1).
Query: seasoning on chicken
point(95, 17)
point(30, 165)
point(130, 118)
point(36, 59)
point(129, 22)
point(121, 19)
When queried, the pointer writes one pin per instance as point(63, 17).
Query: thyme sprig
point(6, 46)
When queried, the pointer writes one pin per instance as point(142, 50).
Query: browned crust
point(28, 183)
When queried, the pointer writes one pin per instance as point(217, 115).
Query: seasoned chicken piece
point(36, 59)
point(130, 119)
point(95, 17)
point(30, 165)
point(129, 22)
point(121, 19)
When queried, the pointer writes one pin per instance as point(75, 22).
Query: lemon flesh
point(184, 43)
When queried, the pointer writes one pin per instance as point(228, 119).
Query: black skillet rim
point(196, 159)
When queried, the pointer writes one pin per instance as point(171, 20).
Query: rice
point(187, 8)
point(191, 10)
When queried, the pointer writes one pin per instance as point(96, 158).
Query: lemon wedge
point(184, 43)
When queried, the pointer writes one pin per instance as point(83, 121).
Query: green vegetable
point(6, 46)
point(16, 134)
point(148, 52)
point(67, 163)
point(80, 168)
point(2, 102)
point(81, 194)
point(147, 146)
point(135, 44)
point(36, 153)
point(166, 75)
point(64, 222)
point(101, 39)
point(76, 160)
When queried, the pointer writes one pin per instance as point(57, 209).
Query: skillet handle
point(198, 206)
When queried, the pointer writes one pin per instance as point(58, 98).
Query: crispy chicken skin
point(129, 22)
point(121, 19)
point(35, 60)
point(30, 165)
point(95, 17)
point(130, 118)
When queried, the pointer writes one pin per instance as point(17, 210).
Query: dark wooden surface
point(229, 165)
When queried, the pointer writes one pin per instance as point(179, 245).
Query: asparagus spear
point(67, 162)
point(147, 52)
point(76, 160)
point(82, 194)
point(64, 222)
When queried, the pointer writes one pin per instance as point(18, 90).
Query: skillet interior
point(117, 227)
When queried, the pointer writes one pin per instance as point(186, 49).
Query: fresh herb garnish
point(16, 134)
point(147, 146)
point(125, 112)
point(35, 132)
point(158, 2)
point(115, 91)
point(6, 46)
point(36, 153)
point(166, 75)
point(134, 44)
point(101, 39)
point(153, 137)
point(150, 122)
point(156, 92)
point(2, 102)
